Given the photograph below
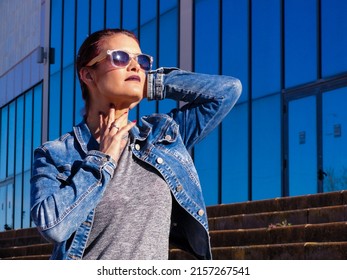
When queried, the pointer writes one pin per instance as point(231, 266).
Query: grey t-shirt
point(132, 221)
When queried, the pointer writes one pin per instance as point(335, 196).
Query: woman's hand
point(114, 136)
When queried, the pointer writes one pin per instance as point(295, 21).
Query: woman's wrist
point(155, 85)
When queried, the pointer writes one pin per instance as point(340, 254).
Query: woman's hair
point(91, 48)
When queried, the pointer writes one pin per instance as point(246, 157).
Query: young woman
point(111, 189)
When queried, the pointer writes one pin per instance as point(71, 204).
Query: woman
point(113, 190)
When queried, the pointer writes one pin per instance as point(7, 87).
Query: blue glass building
point(286, 136)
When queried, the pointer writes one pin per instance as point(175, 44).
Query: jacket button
point(168, 137)
point(137, 147)
point(201, 212)
point(179, 188)
point(160, 160)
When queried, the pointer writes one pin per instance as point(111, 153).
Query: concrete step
point(23, 251)
point(336, 232)
point(293, 217)
point(279, 204)
point(292, 251)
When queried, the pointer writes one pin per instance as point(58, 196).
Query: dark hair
point(90, 48)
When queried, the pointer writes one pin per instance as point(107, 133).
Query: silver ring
point(114, 126)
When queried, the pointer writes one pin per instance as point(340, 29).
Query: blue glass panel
point(97, 15)
point(148, 39)
point(69, 33)
point(54, 107)
point(235, 155)
point(335, 139)
point(11, 138)
point(27, 157)
point(82, 24)
point(28, 129)
point(81, 34)
point(235, 42)
point(130, 15)
point(18, 183)
point(113, 13)
point(168, 43)
point(17, 204)
point(206, 26)
point(67, 113)
point(334, 37)
point(3, 200)
point(266, 43)
point(26, 199)
point(9, 203)
point(300, 42)
point(206, 162)
point(3, 143)
point(56, 33)
point(302, 146)
point(266, 150)
point(37, 117)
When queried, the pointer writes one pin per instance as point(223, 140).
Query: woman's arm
point(208, 98)
point(61, 201)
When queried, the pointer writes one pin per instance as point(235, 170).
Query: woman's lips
point(133, 78)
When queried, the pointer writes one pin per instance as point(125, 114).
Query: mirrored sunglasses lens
point(120, 58)
point(144, 61)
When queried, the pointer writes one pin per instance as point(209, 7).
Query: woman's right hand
point(113, 134)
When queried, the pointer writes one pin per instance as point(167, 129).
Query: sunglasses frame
point(102, 56)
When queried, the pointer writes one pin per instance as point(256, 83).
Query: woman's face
point(123, 87)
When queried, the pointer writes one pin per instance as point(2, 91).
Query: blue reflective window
point(82, 32)
point(235, 42)
point(302, 146)
point(266, 43)
point(266, 150)
point(67, 116)
point(69, 33)
point(207, 26)
point(56, 33)
point(19, 138)
point(335, 139)
point(300, 42)
point(113, 13)
point(168, 43)
point(97, 15)
point(27, 157)
point(67, 113)
point(130, 15)
point(235, 155)
point(206, 37)
point(148, 39)
point(334, 37)
point(54, 106)
point(3, 143)
point(55, 79)
point(11, 138)
point(37, 116)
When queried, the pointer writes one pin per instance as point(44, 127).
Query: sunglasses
point(121, 59)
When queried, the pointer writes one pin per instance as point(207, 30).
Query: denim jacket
point(70, 174)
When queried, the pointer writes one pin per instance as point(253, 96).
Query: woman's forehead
point(120, 42)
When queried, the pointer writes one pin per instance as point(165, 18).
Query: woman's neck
point(93, 118)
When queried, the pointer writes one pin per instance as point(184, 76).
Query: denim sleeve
point(61, 201)
point(208, 99)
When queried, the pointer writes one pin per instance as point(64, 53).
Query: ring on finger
point(114, 126)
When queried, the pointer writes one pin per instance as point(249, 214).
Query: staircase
point(301, 227)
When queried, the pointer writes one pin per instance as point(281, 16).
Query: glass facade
point(284, 137)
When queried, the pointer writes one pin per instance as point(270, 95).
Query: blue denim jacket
point(70, 174)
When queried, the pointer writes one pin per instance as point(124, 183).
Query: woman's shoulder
point(63, 142)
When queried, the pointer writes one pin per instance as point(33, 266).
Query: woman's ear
point(86, 76)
